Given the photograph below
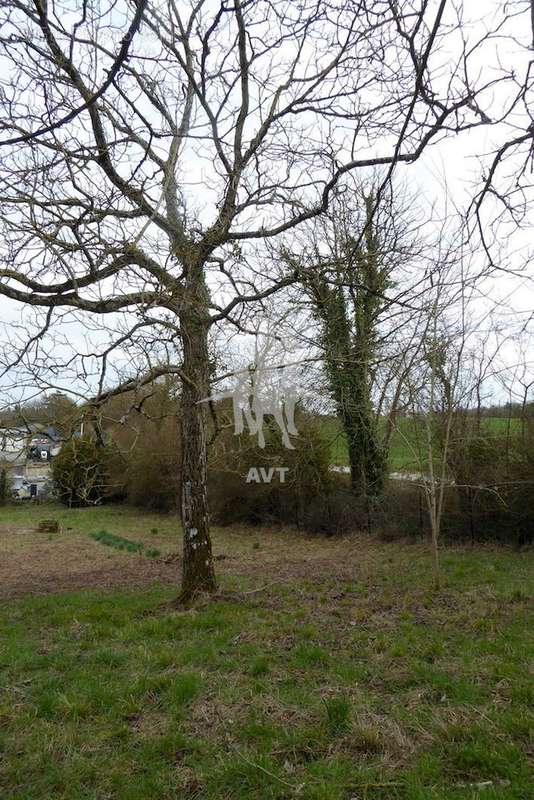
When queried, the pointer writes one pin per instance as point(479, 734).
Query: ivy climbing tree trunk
point(348, 374)
point(367, 457)
point(346, 288)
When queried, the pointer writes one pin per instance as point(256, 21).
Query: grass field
point(407, 452)
point(325, 670)
point(406, 445)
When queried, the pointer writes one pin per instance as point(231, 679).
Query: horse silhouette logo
point(263, 389)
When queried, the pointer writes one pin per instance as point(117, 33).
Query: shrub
point(495, 487)
point(312, 497)
point(151, 480)
point(151, 472)
point(490, 496)
point(143, 427)
point(234, 497)
point(80, 472)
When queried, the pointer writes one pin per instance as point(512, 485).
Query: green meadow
point(323, 670)
point(407, 451)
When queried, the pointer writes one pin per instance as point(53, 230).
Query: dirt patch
point(33, 564)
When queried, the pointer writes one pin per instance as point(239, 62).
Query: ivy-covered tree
point(347, 294)
point(346, 267)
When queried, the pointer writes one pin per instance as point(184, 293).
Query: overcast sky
point(445, 177)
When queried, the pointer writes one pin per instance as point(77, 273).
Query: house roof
point(52, 432)
point(31, 429)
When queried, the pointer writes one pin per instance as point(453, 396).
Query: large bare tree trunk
point(198, 571)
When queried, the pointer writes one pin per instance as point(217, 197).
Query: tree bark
point(367, 457)
point(198, 570)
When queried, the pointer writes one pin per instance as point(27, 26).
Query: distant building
point(43, 445)
point(27, 453)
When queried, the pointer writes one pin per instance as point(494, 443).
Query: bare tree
point(226, 123)
point(112, 72)
point(444, 382)
point(503, 201)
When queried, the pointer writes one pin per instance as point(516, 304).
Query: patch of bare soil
point(35, 563)
point(32, 563)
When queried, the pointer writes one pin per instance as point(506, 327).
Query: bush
point(151, 475)
point(336, 512)
point(144, 429)
point(398, 512)
point(495, 486)
point(81, 473)
point(236, 495)
point(313, 498)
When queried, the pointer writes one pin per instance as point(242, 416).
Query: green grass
point(407, 451)
point(114, 518)
point(313, 689)
point(407, 444)
point(159, 532)
point(120, 543)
